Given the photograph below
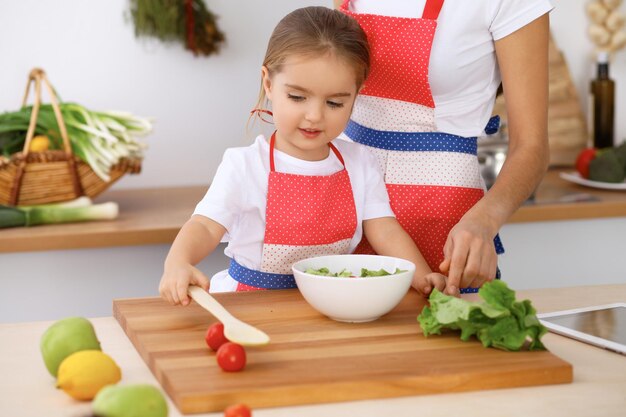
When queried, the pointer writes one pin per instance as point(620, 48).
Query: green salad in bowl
point(325, 272)
point(329, 284)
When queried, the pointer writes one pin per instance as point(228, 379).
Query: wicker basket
point(28, 178)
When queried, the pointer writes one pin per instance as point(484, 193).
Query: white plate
point(576, 178)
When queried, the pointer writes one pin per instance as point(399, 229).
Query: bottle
point(603, 94)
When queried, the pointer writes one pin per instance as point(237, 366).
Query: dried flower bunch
point(606, 25)
point(189, 22)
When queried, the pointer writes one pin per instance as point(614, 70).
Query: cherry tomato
point(238, 410)
point(231, 357)
point(215, 336)
point(583, 160)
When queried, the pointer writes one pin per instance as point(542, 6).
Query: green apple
point(65, 337)
point(136, 400)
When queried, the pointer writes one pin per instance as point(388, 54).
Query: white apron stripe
point(393, 115)
point(279, 258)
point(432, 168)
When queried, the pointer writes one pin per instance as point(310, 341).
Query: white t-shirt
point(237, 196)
point(463, 70)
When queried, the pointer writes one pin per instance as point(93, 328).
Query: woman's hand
point(470, 257)
point(469, 253)
point(176, 280)
point(424, 284)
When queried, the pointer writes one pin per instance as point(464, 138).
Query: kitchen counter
point(599, 387)
point(154, 216)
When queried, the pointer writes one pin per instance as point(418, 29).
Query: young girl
point(299, 193)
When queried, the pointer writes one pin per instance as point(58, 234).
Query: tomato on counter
point(583, 160)
point(238, 410)
point(215, 336)
point(231, 357)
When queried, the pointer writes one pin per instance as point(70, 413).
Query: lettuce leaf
point(344, 273)
point(499, 321)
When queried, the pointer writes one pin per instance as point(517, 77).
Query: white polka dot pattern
point(279, 258)
point(306, 215)
point(433, 168)
point(393, 115)
point(400, 54)
point(428, 213)
point(260, 279)
point(381, 157)
point(410, 141)
point(309, 209)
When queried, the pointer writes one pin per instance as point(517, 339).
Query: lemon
point(39, 143)
point(84, 373)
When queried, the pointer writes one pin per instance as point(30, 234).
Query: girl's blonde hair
point(315, 31)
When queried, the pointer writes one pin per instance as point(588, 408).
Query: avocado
point(620, 151)
point(607, 167)
point(65, 337)
point(134, 400)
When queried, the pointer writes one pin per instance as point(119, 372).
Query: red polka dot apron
point(433, 178)
point(306, 216)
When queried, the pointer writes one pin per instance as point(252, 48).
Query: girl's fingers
point(181, 293)
point(438, 281)
point(169, 296)
point(174, 295)
point(200, 279)
point(166, 293)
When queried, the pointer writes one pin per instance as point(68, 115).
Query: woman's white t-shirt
point(237, 196)
point(463, 70)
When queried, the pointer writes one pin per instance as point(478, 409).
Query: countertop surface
point(599, 387)
point(154, 216)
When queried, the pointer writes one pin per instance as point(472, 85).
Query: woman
point(436, 68)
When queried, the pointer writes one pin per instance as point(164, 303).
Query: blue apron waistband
point(260, 279)
point(417, 141)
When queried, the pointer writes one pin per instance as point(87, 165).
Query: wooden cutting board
point(312, 359)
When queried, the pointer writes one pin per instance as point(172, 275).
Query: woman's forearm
point(523, 61)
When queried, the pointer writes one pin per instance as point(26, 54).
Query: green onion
point(77, 210)
point(100, 139)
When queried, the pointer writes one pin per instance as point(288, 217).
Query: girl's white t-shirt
point(463, 70)
point(237, 196)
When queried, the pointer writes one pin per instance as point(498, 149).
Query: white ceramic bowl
point(354, 300)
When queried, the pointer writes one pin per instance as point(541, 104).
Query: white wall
point(200, 105)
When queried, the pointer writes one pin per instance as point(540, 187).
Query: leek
point(77, 210)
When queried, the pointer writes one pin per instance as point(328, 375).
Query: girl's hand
point(176, 280)
point(470, 257)
point(424, 284)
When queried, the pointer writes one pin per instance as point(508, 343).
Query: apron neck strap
point(432, 9)
point(330, 145)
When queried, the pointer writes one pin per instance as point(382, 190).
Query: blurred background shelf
point(154, 216)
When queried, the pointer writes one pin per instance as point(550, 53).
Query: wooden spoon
point(235, 330)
